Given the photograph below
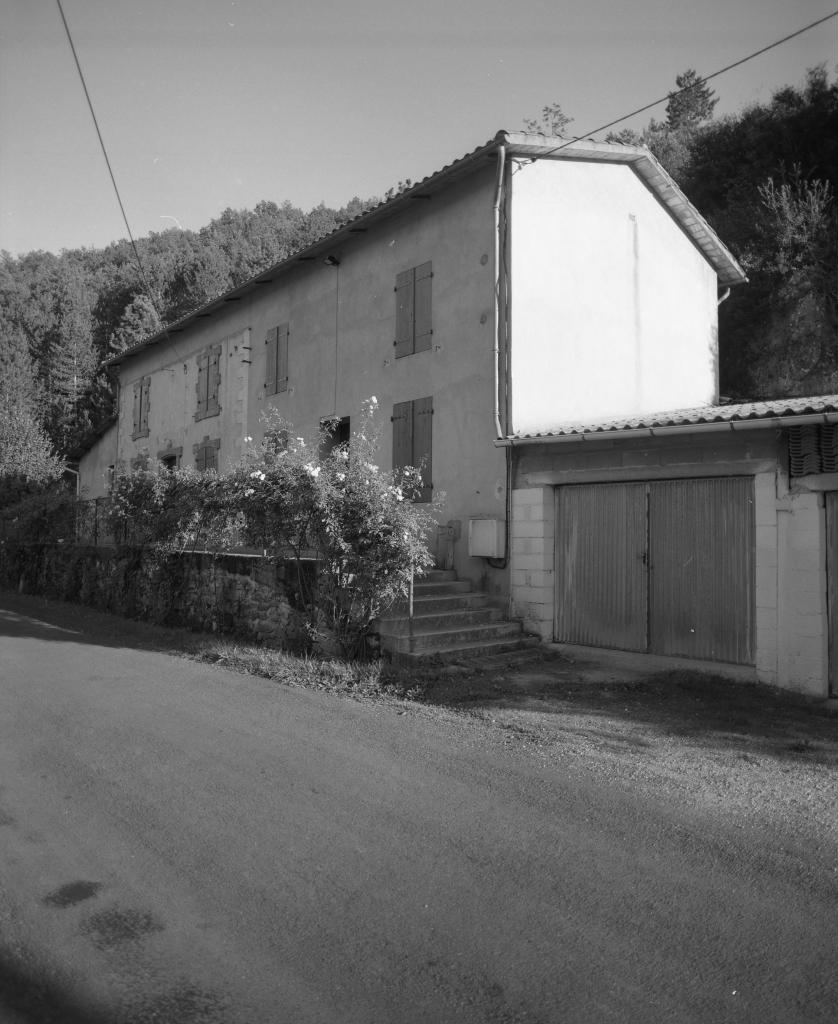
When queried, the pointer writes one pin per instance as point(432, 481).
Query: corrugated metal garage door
point(665, 567)
point(701, 568)
point(600, 556)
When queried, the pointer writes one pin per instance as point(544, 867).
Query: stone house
point(515, 314)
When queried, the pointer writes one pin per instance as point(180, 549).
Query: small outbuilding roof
point(521, 144)
point(781, 412)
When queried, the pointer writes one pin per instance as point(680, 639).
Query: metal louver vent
point(813, 449)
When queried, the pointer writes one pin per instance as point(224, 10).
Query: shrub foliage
point(310, 504)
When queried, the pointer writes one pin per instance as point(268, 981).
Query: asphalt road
point(182, 844)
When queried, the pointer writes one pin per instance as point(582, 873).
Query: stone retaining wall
point(244, 595)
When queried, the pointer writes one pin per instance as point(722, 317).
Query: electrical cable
point(110, 169)
point(695, 85)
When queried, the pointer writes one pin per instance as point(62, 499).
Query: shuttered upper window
point(276, 360)
point(209, 379)
point(413, 310)
point(206, 454)
point(141, 394)
point(413, 440)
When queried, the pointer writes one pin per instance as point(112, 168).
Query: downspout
point(725, 294)
point(496, 338)
point(500, 563)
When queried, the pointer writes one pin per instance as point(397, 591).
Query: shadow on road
point(543, 694)
point(27, 996)
point(24, 615)
point(695, 708)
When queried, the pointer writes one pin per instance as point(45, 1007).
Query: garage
point(662, 567)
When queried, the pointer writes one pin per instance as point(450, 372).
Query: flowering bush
point(312, 505)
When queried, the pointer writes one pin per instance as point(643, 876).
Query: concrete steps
point(450, 620)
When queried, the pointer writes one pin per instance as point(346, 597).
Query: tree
point(71, 360)
point(27, 459)
point(139, 321)
point(691, 104)
point(553, 121)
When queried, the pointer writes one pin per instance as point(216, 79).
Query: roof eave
point(673, 429)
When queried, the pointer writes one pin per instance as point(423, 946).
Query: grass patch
point(363, 678)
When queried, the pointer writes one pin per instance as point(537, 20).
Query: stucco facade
point(613, 312)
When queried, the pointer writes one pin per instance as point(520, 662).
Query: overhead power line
point(702, 80)
point(107, 161)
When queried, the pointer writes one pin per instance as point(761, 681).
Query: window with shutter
point(413, 440)
point(422, 306)
point(213, 380)
point(413, 310)
point(276, 359)
point(170, 457)
point(208, 383)
point(142, 390)
point(423, 411)
point(206, 454)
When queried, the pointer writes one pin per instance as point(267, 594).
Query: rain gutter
point(809, 419)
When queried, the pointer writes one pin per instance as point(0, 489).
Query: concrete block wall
point(532, 584)
point(766, 581)
point(802, 624)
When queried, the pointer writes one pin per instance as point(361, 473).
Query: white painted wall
point(613, 309)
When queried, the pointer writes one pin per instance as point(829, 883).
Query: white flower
point(248, 492)
point(340, 477)
point(257, 475)
point(248, 439)
point(313, 471)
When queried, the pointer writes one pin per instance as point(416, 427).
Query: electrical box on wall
point(486, 538)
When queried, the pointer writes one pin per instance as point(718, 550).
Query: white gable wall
point(613, 309)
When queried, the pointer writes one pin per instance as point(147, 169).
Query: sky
point(210, 104)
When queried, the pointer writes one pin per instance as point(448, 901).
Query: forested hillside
point(765, 178)
point(60, 316)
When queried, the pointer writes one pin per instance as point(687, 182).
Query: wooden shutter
point(200, 457)
point(402, 434)
point(138, 391)
point(144, 393)
point(422, 308)
point(201, 386)
point(423, 411)
point(270, 360)
point(404, 313)
point(282, 358)
point(211, 455)
point(213, 379)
